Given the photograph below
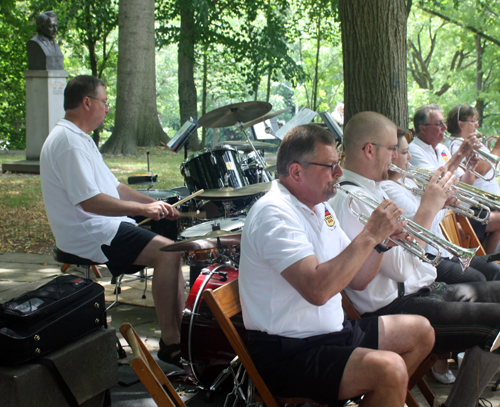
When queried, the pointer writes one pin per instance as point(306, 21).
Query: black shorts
point(312, 367)
point(125, 247)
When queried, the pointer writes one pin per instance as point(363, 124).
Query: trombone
point(491, 159)
point(467, 199)
point(463, 255)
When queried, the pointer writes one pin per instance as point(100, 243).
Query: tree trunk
point(187, 90)
point(374, 52)
point(136, 121)
point(316, 66)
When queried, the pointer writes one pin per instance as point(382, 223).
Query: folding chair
point(418, 377)
point(224, 302)
point(449, 227)
point(149, 373)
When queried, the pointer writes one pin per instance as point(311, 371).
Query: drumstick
point(175, 204)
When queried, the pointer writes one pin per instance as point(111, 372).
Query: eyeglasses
point(439, 124)
point(332, 166)
point(392, 148)
point(100, 100)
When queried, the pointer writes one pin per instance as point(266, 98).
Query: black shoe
point(170, 354)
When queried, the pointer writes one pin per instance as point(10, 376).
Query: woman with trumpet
point(462, 122)
point(448, 270)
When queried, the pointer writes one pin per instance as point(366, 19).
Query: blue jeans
point(462, 315)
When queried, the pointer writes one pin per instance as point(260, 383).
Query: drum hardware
point(143, 179)
point(175, 204)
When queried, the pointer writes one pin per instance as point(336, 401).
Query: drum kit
point(210, 245)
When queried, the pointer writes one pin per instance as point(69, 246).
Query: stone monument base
point(27, 166)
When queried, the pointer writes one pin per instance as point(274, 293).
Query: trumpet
point(483, 197)
point(463, 255)
point(491, 141)
point(422, 178)
point(491, 159)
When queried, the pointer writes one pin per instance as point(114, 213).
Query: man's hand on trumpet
point(387, 221)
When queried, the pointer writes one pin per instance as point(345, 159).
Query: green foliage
point(15, 31)
point(455, 73)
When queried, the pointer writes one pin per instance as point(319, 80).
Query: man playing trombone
point(464, 316)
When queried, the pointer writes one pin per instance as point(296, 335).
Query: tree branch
point(460, 24)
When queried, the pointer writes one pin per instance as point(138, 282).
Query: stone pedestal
point(44, 107)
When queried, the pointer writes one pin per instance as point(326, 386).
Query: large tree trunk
point(187, 90)
point(374, 50)
point(136, 121)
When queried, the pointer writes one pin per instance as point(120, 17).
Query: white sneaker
point(445, 378)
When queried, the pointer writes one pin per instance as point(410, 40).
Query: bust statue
point(43, 51)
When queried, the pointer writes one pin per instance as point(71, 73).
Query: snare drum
point(163, 227)
point(213, 168)
point(203, 344)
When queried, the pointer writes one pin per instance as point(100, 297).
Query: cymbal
point(229, 115)
point(245, 145)
point(267, 116)
point(233, 193)
point(210, 241)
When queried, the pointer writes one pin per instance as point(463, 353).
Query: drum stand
point(257, 154)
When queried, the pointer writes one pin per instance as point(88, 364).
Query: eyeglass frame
point(106, 105)
point(333, 167)
point(392, 148)
point(439, 124)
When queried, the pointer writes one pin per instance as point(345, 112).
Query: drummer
point(88, 209)
point(295, 260)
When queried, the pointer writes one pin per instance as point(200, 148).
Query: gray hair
point(299, 146)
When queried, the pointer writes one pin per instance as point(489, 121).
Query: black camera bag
point(55, 314)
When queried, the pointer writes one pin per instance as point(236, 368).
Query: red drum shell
point(206, 348)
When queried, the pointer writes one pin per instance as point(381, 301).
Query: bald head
point(370, 141)
point(365, 127)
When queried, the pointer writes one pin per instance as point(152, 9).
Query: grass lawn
point(24, 225)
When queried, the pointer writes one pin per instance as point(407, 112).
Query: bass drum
point(163, 227)
point(213, 168)
point(204, 346)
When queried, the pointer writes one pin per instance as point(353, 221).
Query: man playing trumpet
point(429, 153)
point(462, 123)
point(464, 316)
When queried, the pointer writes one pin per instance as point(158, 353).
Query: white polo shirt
point(424, 156)
point(279, 231)
point(72, 170)
point(398, 265)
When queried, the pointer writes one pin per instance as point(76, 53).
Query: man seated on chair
point(295, 261)
point(465, 316)
point(88, 209)
point(428, 152)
